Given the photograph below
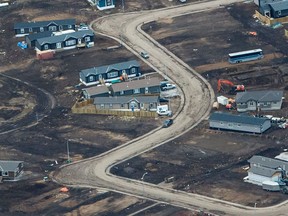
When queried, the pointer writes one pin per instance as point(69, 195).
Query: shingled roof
point(44, 23)
point(9, 165)
point(259, 96)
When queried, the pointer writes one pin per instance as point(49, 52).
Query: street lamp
point(142, 179)
point(67, 146)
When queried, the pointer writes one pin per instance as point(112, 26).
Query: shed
point(10, 170)
point(243, 123)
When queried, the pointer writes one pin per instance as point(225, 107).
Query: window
point(87, 39)
point(69, 26)
point(121, 92)
point(142, 105)
point(123, 71)
point(5, 173)
point(133, 70)
point(70, 42)
point(41, 29)
point(30, 30)
point(221, 123)
point(239, 125)
point(110, 105)
point(136, 91)
point(102, 106)
point(112, 74)
point(279, 13)
point(100, 76)
point(46, 47)
point(52, 28)
point(60, 27)
point(91, 78)
point(22, 30)
point(251, 103)
point(122, 105)
point(274, 102)
point(146, 90)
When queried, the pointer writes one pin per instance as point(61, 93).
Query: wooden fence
point(87, 107)
point(270, 21)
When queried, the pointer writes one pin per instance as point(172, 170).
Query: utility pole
point(121, 36)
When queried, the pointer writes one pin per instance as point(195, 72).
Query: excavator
point(234, 88)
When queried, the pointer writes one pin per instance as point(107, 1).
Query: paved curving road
point(196, 103)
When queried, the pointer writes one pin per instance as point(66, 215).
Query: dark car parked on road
point(167, 123)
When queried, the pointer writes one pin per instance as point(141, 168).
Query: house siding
point(252, 106)
point(239, 126)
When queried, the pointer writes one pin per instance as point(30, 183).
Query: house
point(264, 100)
point(243, 123)
point(65, 41)
point(10, 170)
point(263, 169)
point(148, 103)
point(103, 4)
point(273, 8)
point(141, 86)
point(32, 38)
point(109, 73)
point(96, 91)
point(25, 28)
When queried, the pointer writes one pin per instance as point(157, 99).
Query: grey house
point(96, 91)
point(25, 28)
point(265, 169)
point(149, 86)
point(10, 170)
point(32, 38)
point(148, 103)
point(241, 123)
point(65, 41)
point(263, 100)
point(109, 73)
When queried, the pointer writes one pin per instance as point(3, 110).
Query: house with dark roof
point(104, 4)
point(109, 73)
point(25, 28)
point(264, 169)
point(263, 100)
point(243, 123)
point(149, 86)
point(65, 41)
point(148, 103)
point(32, 38)
point(10, 170)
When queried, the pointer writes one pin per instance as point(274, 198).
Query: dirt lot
point(196, 158)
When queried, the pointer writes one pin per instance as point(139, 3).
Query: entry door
point(79, 41)
point(58, 45)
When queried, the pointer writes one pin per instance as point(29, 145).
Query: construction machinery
point(234, 88)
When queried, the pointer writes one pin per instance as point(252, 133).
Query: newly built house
point(25, 28)
point(10, 170)
point(243, 123)
point(148, 103)
point(264, 169)
point(273, 8)
point(65, 41)
point(263, 100)
point(109, 73)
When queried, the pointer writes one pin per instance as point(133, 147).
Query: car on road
point(168, 86)
point(167, 123)
point(163, 100)
point(144, 54)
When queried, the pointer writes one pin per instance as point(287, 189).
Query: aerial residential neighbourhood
point(130, 107)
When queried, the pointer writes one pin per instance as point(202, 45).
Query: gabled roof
point(107, 68)
point(9, 165)
point(242, 119)
point(39, 35)
point(263, 171)
point(44, 23)
point(125, 99)
point(259, 96)
point(268, 162)
point(136, 84)
point(96, 90)
point(61, 38)
point(279, 6)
